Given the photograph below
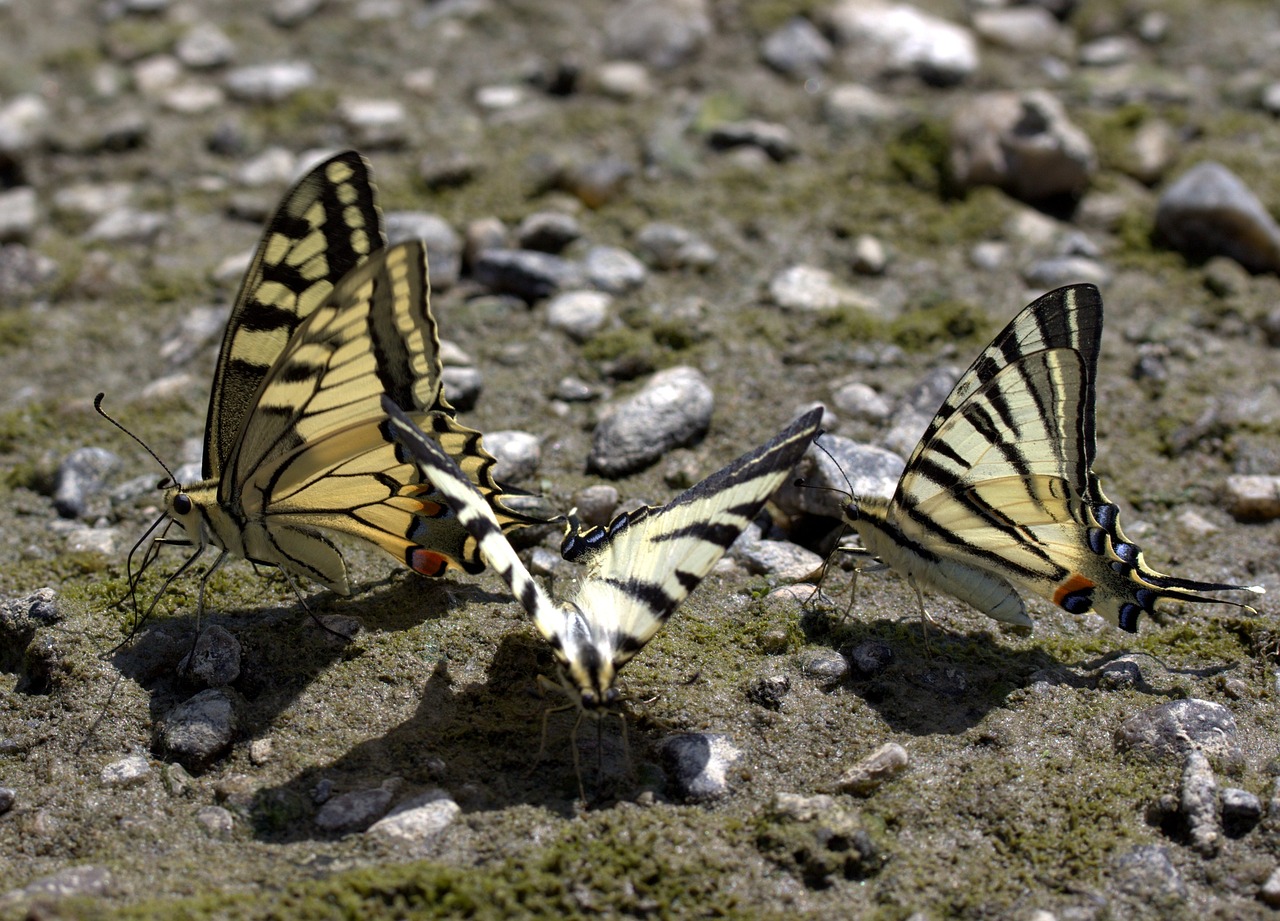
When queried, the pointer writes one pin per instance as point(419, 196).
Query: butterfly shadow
point(944, 678)
point(281, 648)
point(478, 741)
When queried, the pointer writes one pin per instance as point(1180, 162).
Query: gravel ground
point(771, 204)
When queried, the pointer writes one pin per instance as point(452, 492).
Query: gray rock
point(22, 617)
point(444, 245)
point(1269, 893)
point(1154, 147)
point(127, 225)
point(597, 182)
point(672, 410)
point(127, 772)
point(270, 83)
point(872, 772)
point(898, 38)
point(526, 274)
point(1252, 497)
point(580, 314)
point(1120, 674)
point(93, 540)
point(24, 121)
point(828, 476)
point(769, 691)
point(1147, 872)
point(417, 820)
point(1271, 98)
point(18, 214)
point(613, 269)
point(548, 231)
point(661, 33)
point(375, 122)
point(1170, 730)
point(572, 389)
point(448, 169)
point(1064, 270)
point(192, 98)
point(81, 476)
point(1108, 51)
point(825, 666)
point(1199, 804)
point(667, 246)
point(774, 139)
point(200, 728)
point(698, 764)
point(518, 454)
point(778, 558)
point(869, 255)
point(796, 48)
point(8, 796)
point(462, 386)
point(274, 166)
point(215, 660)
point(854, 107)
point(1241, 811)
point(860, 401)
point(596, 504)
point(482, 235)
point(621, 80)
point(806, 287)
point(205, 46)
point(289, 13)
point(1021, 28)
point(218, 822)
point(356, 811)
point(24, 273)
point(870, 657)
point(1209, 211)
point(1022, 143)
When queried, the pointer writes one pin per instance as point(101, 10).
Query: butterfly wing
point(645, 563)
point(315, 452)
point(325, 226)
point(1002, 487)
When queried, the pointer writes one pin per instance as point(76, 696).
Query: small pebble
point(612, 269)
point(462, 386)
point(805, 287)
point(662, 33)
point(128, 772)
point(417, 820)
point(769, 691)
point(870, 657)
point(580, 314)
point(899, 38)
point(869, 255)
point(796, 48)
point(215, 660)
point(1148, 873)
point(1253, 497)
point(8, 796)
point(1269, 894)
point(1199, 805)
point(205, 46)
point(698, 764)
point(260, 751)
point(199, 729)
point(828, 475)
point(882, 765)
point(270, 83)
point(596, 504)
point(355, 811)
point(825, 666)
point(548, 231)
point(518, 454)
point(774, 139)
point(1208, 210)
point(527, 274)
point(217, 821)
point(1241, 811)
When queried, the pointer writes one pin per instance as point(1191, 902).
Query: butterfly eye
point(851, 510)
point(182, 503)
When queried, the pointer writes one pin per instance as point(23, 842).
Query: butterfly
point(327, 320)
point(1000, 492)
point(639, 568)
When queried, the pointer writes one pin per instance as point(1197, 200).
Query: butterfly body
point(638, 569)
point(327, 321)
point(1000, 492)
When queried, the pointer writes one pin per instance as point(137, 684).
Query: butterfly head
point(183, 505)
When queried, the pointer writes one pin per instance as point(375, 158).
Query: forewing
point(325, 226)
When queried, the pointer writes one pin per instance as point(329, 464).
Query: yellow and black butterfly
point(638, 568)
point(1000, 492)
point(327, 321)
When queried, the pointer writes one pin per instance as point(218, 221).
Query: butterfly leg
point(925, 619)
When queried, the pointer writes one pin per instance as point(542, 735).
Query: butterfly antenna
point(97, 405)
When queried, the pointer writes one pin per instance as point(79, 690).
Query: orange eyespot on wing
point(425, 562)
point(1075, 595)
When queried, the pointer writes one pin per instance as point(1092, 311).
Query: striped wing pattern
point(325, 226)
point(1000, 492)
point(314, 352)
point(639, 568)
